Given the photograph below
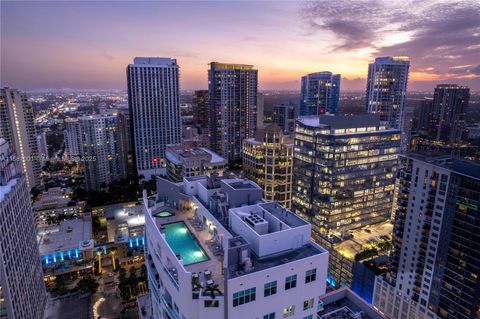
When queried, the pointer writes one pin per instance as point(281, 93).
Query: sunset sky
point(87, 45)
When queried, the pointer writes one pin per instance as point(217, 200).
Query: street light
point(99, 253)
point(112, 254)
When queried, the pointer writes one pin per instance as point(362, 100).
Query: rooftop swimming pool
point(182, 242)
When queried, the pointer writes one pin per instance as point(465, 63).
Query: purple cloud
point(442, 35)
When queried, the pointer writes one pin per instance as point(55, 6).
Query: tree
point(196, 283)
point(129, 314)
point(79, 194)
point(212, 290)
point(87, 284)
point(122, 273)
point(60, 286)
point(35, 192)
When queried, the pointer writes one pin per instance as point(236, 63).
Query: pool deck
point(214, 263)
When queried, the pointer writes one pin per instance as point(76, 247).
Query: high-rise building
point(125, 143)
point(42, 147)
point(260, 110)
point(214, 249)
point(320, 93)
point(17, 127)
point(233, 107)
point(101, 150)
point(434, 265)
point(268, 161)
point(201, 108)
point(153, 97)
point(284, 115)
point(22, 290)
point(386, 89)
point(446, 117)
point(344, 171)
point(73, 138)
point(188, 162)
point(424, 116)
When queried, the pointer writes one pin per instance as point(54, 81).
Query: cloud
point(357, 24)
point(476, 70)
point(440, 37)
point(107, 56)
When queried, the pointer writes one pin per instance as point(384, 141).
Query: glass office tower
point(344, 172)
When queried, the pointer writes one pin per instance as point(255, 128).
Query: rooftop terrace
point(242, 184)
point(69, 235)
point(212, 264)
point(455, 164)
point(344, 304)
point(364, 238)
point(259, 264)
point(284, 214)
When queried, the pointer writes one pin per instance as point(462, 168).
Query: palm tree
point(212, 290)
point(196, 283)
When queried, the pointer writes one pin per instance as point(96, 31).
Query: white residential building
point(386, 89)
point(17, 127)
point(216, 250)
point(73, 138)
point(22, 290)
point(153, 97)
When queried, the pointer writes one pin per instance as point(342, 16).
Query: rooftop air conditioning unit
point(258, 223)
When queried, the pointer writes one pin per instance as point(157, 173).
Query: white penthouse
point(216, 250)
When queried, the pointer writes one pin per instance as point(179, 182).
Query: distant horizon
point(81, 90)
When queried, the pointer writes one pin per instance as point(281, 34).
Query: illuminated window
point(289, 311)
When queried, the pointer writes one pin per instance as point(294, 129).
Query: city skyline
point(85, 46)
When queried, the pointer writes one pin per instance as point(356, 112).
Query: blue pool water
point(182, 242)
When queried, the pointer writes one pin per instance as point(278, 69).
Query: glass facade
point(344, 177)
point(320, 93)
point(233, 107)
point(386, 89)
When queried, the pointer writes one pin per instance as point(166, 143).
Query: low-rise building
point(125, 222)
point(54, 205)
point(67, 247)
point(186, 162)
point(215, 249)
point(358, 245)
point(121, 232)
